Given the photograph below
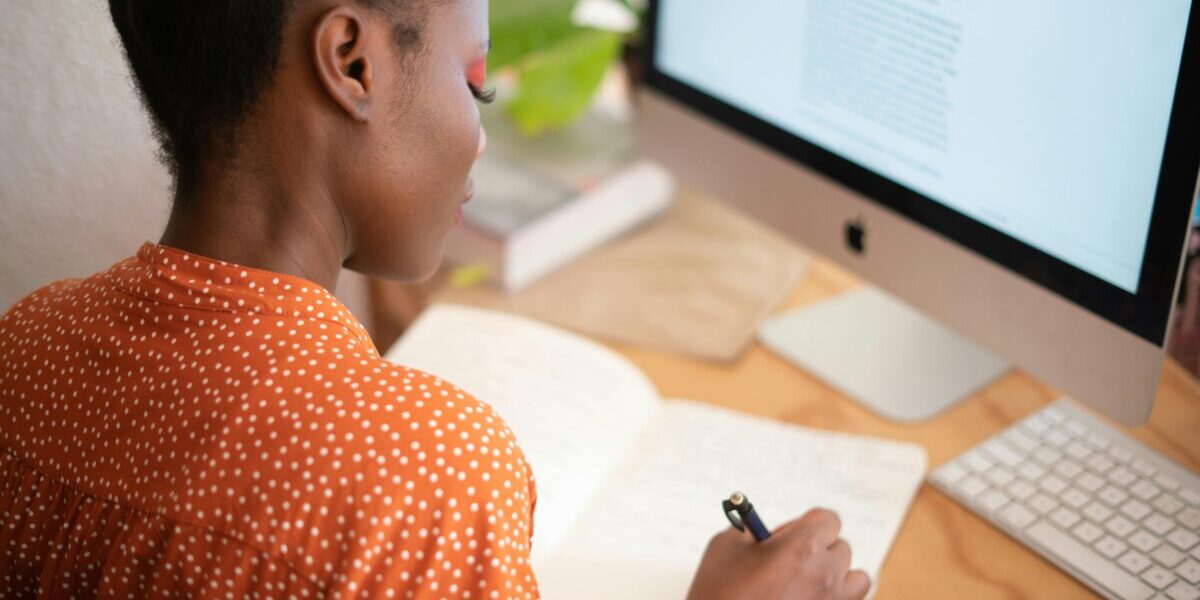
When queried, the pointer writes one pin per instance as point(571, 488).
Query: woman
point(205, 419)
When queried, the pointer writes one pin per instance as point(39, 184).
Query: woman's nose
point(482, 142)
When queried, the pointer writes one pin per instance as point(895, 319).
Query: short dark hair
point(201, 65)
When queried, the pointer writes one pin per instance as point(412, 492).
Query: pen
point(741, 514)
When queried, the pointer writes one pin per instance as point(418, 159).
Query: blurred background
point(79, 184)
point(80, 187)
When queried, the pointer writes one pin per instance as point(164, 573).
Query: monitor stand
point(882, 353)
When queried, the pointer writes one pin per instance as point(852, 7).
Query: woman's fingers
point(855, 586)
point(839, 554)
point(822, 525)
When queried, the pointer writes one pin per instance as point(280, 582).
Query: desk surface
point(943, 550)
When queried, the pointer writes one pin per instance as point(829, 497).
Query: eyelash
point(483, 95)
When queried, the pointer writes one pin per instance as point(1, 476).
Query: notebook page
point(574, 405)
point(654, 516)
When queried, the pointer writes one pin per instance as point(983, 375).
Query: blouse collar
point(172, 276)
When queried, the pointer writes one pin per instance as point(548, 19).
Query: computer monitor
point(1022, 171)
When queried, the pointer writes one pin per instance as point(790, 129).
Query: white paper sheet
point(653, 518)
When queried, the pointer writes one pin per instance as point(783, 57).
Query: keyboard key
point(1144, 540)
point(1042, 504)
point(1021, 489)
point(1110, 546)
point(1158, 577)
point(1076, 428)
point(1098, 440)
point(1167, 556)
point(1068, 469)
point(1145, 490)
point(950, 473)
point(1120, 453)
point(1084, 560)
point(1190, 496)
point(1158, 524)
point(1183, 539)
point(1048, 456)
point(1189, 571)
point(1053, 415)
point(1031, 471)
point(1017, 516)
point(991, 500)
point(1182, 591)
point(1087, 532)
point(1166, 481)
point(976, 461)
point(1190, 518)
point(1133, 562)
point(1142, 467)
point(1036, 425)
point(1065, 518)
point(1120, 526)
point(1052, 484)
point(1002, 452)
point(1057, 438)
point(1112, 496)
point(1000, 477)
point(970, 486)
point(1135, 510)
point(1074, 498)
point(1099, 463)
point(1079, 450)
point(1089, 482)
point(1097, 512)
point(1167, 504)
point(1020, 440)
point(1121, 476)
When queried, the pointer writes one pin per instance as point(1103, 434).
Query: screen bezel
point(1144, 314)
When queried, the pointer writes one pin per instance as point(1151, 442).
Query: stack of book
point(543, 202)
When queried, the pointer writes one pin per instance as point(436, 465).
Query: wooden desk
point(943, 550)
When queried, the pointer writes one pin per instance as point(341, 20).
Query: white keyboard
point(1117, 515)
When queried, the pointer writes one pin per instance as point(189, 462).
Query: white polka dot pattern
point(178, 426)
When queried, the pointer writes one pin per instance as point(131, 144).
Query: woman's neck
point(287, 224)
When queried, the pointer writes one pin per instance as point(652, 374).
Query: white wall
point(79, 185)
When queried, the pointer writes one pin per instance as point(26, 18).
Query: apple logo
point(856, 234)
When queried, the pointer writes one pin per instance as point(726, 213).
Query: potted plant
point(549, 57)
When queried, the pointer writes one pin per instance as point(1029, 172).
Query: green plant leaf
point(557, 84)
point(522, 27)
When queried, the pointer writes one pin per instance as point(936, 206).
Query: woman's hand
point(802, 560)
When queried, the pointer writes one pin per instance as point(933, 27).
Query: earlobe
point(339, 53)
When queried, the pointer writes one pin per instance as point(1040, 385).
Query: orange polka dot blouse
point(178, 426)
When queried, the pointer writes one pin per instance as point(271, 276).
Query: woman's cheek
point(468, 135)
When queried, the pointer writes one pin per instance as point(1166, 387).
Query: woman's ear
point(339, 53)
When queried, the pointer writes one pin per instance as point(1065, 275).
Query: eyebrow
point(486, 46)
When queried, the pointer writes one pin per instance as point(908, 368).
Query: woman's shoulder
point(413, 408)
point(379, 419)
point(389, 455)
point(76, 292)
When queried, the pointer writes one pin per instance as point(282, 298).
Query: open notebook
point(629, 485)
